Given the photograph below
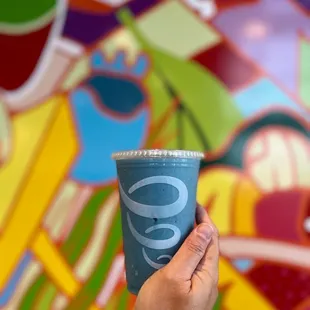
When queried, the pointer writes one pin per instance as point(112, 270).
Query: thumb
point(208, 266)
point(186, 260)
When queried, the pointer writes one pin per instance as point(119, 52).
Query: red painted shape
point(285, 287)
point(227, 4)
point(234, 71)
point(283, 208)
point(91, 6)
point(19, 56)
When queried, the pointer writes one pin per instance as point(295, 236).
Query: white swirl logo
point(159, 212)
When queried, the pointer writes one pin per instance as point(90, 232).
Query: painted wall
point(80, 80)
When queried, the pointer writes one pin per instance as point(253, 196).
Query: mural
point(81, 79)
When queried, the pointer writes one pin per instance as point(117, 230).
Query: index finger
point(203, 217)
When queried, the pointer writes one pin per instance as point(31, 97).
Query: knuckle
point(173, 282)
point(196, 247)
point(169, 276)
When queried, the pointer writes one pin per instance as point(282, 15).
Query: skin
point(189, 281)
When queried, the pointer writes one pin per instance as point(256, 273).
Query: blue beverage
point(158, 201)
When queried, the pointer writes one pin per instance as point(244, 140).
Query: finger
point(203, 217)
point(208, 266)
point(186, 260)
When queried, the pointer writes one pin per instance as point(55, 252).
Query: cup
point(158, 201)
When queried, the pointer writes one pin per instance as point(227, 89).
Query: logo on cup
point(159, 212)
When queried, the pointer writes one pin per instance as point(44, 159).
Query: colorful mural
point(81, 79)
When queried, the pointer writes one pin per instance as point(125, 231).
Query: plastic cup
point(158, 201)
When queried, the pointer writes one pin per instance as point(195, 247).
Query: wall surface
point(81, 79)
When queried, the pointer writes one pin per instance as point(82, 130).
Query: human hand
point(190, 280)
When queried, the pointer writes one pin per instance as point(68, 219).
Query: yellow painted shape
point(246, 198)
point(94, 307)
point(52, 163)
point(240, 294)
point(220, 184)
point(28, 129)
point(5, 131)
point(54, 264)
point(56, 267)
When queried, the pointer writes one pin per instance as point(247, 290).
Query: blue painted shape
point(141, 66)
point(243, 265)
point(111, 115)
point(263, 95)
point(98, 61)
point(100, 135)
point(116, 94)
point(119, 65)
point(9, 290)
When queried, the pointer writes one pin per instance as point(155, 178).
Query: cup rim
point(157, 153)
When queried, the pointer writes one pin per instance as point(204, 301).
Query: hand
point(190, 280)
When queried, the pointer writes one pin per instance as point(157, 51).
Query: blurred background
point(81, 79)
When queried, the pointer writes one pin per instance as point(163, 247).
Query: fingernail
point(205, 230)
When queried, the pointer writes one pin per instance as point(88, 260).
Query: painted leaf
point(206, 104)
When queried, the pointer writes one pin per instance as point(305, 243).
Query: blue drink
point(158, 201)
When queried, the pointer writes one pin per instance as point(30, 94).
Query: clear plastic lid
point(157, 154)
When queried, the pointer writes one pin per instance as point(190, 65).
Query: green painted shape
point(305, 72)
point(190, 136)
point(208, 104)
point(92, 287)
point(32, 294)
point(123, 300)
point(71, 249)
point(160, 103)
point(22, 11)
point(219, 302)
point(184, 22)
point(44, 302)
point(83, 230)
point(159, 98)
point(112, 305)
